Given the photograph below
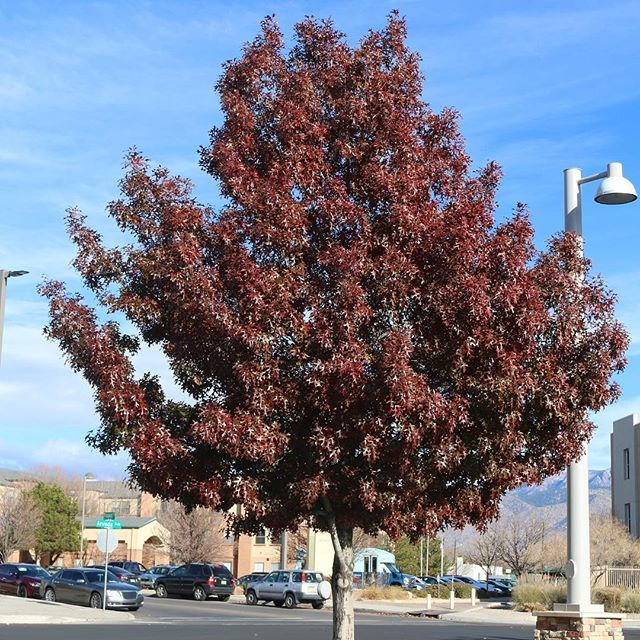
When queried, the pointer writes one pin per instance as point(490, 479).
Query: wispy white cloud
point(71, 455)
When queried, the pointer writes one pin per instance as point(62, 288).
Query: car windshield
point(98, 576)
point(35, 572)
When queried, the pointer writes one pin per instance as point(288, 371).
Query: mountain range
point(546, 502)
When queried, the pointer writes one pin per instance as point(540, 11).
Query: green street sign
point(109, 515)
point(108, 524)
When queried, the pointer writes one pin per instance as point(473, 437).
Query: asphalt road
point(178, 619)
point(367, 627)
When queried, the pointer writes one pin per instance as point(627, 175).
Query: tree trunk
point(341, 584)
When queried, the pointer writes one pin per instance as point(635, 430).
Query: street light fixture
point(5, 274)
point(614, 189)
point(88, 477)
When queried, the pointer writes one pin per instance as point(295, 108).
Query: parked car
point(429, 580)
point(122, 575)
point(149, 577)
point(256, 576)
point(131, 567)
point(501, 587)
point(197, 580)
point(85, 586)
point(508, 581)
point(482, 586)
point(21, 579)
point(395, 578)
point(288, 588)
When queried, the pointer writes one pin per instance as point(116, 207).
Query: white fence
point(625, 577)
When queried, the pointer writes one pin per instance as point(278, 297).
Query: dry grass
point(530, 595)
point(630, 602)
point(384, 593)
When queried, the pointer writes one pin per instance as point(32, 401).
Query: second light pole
point(614, 189)
point(88, 477)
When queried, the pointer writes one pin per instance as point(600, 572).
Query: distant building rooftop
point(8, 476)
point(113, 489)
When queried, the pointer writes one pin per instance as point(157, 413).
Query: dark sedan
point(132, 567)
point(256, 576)
point(86, 586)
point(21, 579)
point(149, 577)
point(123, 575)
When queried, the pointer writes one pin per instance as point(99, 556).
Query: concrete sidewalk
point(14, 610)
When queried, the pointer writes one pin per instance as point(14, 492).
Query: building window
point(229, 565)
point(258, 566)
point(261, 537)
point(626, 464)
point(121, 507)
point(627, 515)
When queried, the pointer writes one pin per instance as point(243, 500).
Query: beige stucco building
point(141, 539)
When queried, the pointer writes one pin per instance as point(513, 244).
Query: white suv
point(288, 588)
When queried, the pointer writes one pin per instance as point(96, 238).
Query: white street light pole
point(4, 276)
point(87, 478)
point(614, 189)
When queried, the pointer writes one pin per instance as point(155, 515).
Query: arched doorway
point(154, 552)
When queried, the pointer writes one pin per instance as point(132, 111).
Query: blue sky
point(541, 86)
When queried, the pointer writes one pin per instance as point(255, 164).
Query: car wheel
point(290, 601)
point(223, 598)
point(50, 595)
point(251, 597)
point(95, 601)
point(317, 605)
point(161, 591)
point(278, 603)
point(22, 591)
point(199, 593)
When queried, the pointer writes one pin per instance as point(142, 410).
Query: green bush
point(459, 589)
point(610, 597)
point(462, 590)
point(630, 602)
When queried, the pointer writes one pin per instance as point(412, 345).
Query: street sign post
point(107, 542)
point(107, 545)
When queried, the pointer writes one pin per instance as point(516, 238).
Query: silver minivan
point(289, 587)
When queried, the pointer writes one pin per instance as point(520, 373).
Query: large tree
point(363, 344)
point(193, 536)
point(19, 519)
point(58, 529)
point(520, 542)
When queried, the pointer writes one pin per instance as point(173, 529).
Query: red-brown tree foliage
point(363, 344)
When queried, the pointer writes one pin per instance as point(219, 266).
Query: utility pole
point(5, 274)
